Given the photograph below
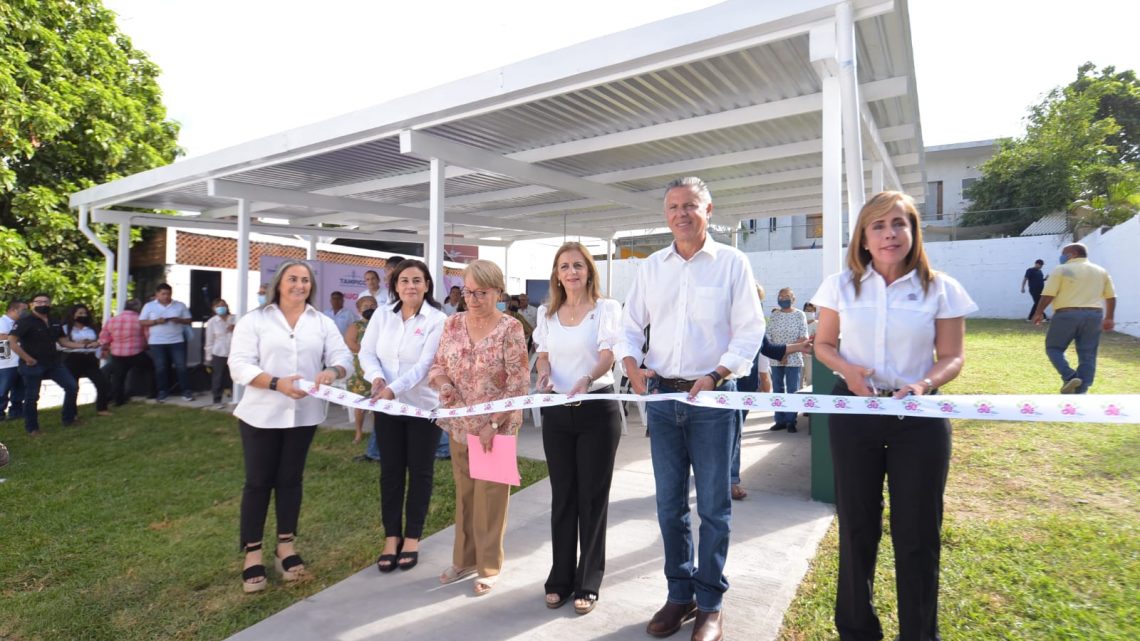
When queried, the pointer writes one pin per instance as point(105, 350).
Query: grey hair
point(273, 294)
point(694, 182)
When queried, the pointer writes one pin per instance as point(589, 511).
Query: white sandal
point(484, 584)
point(453, 574)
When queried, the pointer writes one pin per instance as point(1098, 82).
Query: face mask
point(261, 299)
point(43, 310)
point(501, 306)
point(785, 304)
point(367, 314)
point(1063, 259)
point(82, 320)
point(221, 310)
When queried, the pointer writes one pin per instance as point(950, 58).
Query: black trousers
point(1036, 297)
point(121, 366)
point(914, 455)
point(220, 376)
point(407, 464)
point(580, 442)
point(274, 464)
point(87, 366)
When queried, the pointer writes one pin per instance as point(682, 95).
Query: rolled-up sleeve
point(244, 362)
point(746, 324)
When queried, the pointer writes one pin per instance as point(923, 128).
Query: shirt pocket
point(709, 303)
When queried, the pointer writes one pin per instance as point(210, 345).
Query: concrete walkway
point(775, 532)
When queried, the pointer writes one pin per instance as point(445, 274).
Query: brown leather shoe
point(669, 618)
point(709, 626)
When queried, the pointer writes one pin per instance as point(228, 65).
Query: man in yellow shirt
point(1076, 288)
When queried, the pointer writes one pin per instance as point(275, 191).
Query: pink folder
point(500, 465)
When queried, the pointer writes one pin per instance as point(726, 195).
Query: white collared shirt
point(891, 328)
point(164, 333)
point(263, 342)
point(530, 315)
point(343, 318)
point(381, 296)
point(575, 351)
point(702, 312)
point(219, 332)
point(401, 351)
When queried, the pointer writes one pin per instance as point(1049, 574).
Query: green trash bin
point(822, 478)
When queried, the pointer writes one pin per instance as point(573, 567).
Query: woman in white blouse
point(219, 330)
point(396, 355)
point(274, 347)
point(903, 330)
point(574, 340)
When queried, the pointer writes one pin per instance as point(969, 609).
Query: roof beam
point(229, 189)
point(878, 149)
point(426, 146)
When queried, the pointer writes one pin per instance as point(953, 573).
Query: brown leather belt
point(674, 384)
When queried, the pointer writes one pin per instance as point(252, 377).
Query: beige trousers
point(480, 517)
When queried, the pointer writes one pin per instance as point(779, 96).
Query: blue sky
point(234, 70)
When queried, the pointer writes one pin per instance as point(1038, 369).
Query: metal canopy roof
point(578, 141)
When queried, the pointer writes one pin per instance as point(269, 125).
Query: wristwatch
point(273, 384)
point(929, 384)
point(715, 375)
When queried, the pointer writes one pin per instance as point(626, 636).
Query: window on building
point(966, 184)
point(934, 200)
point(815, 226)
point(771, 225)
point(752, 224)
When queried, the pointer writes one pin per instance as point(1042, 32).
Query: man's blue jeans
point(682, 436)
point(33, 375)
point(11, 393)
point(785, 380)
point(1082, 326)
point(165, 355)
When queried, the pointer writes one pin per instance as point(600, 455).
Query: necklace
point(576, 310)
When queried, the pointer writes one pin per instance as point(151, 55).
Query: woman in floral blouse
point(482, 357)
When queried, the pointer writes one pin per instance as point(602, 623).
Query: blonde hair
point(878, 206)
point(485, 274)
point(557, 293)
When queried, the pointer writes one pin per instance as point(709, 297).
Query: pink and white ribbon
point(1077, 408)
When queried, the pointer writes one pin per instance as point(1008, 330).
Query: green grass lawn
point(126, 528)
point(1040, 534)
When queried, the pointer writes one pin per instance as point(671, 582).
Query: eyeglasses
point(477, 294)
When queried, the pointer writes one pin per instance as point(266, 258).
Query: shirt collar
point(711, 247)
point(1081, 259)
point(869, 271)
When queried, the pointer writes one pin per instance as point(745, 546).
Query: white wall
point(990, 270)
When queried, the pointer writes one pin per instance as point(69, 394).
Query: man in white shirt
point(341, 315)
point(707, 325)
point(528, 312)
point(11, 383)
point(166, 318)
point(372, 288)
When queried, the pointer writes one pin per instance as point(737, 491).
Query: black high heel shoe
point(408, 560)
point(248, 575)
point(286, 566)
point(387, 562)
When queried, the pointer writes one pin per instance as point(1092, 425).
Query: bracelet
point(716, 377)
point(273, 384)
point(589, 379)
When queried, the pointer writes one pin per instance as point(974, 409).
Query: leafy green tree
point(1081, 146)
point(79, 106)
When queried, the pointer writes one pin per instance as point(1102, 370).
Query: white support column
point(243, 221)
point(124, 256)
point(849, 91)
point(433, 251)
point(610, 265)
point(507, 262)
point(311, 252)
point(876, 177)
point(736, 236)
point(832, 178)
